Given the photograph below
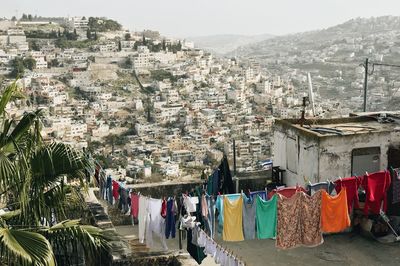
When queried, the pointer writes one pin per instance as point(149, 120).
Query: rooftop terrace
point(357, 123)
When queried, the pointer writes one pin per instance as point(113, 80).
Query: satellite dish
point(311, 93)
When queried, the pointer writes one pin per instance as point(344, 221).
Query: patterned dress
point(299, 221)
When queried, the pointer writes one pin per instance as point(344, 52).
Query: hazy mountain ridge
point(226, 43)
point(333, 57)
point(354, 28)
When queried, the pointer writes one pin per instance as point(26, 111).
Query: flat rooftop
point(356, 123)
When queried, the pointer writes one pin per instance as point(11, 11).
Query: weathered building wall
point(308, 157)
point(297, 153)
point(336, 152)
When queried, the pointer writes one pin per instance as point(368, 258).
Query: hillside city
point(154, 108)
point(146, 106)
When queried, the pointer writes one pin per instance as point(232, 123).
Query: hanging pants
point(170, 227)
point(211, 216)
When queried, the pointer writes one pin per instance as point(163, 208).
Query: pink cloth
point(287, 191)
point(204, 207)
point(134, 205)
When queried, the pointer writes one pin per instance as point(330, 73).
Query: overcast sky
point(182, 18)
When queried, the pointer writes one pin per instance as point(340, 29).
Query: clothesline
point(292, 210)
point(275, 217)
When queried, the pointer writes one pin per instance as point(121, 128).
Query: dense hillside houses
point(135, 97)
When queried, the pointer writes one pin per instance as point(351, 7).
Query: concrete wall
point(164, 190)
point(305, 153)
point(336, 152)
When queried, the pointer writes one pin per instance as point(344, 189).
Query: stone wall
point(158, 190)
point(253, 181)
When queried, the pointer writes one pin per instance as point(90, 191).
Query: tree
point(88, 34)
point(143, 40)
point(13, 18)
point(24, 17)
point(53, 34)
point(103, 24)
point(30, 17)
point(128, 63)
point(53, 63)
point(34, 46)
point(18, 68)
point(127, 36)
point(32, 183)
point(29, 63)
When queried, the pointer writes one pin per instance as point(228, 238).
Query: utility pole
point(365, 84)
point(366, 73)
point(234, 157)
point(234, 167)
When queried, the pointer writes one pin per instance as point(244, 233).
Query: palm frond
point(25, 248)
point(72, 234)
point(50, 162)
point(21, 129)
point(6, 97)
point(7, 173)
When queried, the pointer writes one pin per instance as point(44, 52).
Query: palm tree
point(41, 183)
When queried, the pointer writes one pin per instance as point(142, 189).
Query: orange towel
point(334, 215)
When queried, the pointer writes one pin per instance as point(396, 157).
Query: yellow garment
point(233, 228)
point(334, 214)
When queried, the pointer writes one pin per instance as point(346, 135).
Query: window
point(291, 154)
point(365, 160)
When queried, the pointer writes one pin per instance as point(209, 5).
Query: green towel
point(266, 217)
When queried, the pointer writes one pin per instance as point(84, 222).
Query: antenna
point(311, 93)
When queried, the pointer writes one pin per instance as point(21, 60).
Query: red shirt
point(115, 189)
point(376, 186)
point(134, 205)
point(351, 184)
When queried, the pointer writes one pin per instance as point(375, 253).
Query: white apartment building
point(172, 96)
point(40, 63)
point(79, 23)
point(143, 59)
point(181, 156)
point(235, 95)
point(79, 57)
point(81, 78)
point(164, 58)
point(108, 47)
point(162, 85)
point(78, 130)
point(127, 45)
point(170, 113)
point(101, 131)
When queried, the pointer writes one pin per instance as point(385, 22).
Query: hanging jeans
point(170, 220)
point(110, 195)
